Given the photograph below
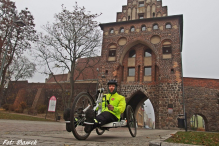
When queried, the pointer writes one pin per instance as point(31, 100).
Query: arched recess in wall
point(137, 101)
point(159, 14)
point(123, 19)
point(133, 13)
point(131, 44)
point(148, 11)
point(129, 14)
point(198, 122)
point(153, 10)
point(139, 64)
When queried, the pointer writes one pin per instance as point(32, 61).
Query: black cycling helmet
point(112, 82)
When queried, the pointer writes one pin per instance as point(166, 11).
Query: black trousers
point(105, 117)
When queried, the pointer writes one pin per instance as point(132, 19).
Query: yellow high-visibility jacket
point(117, 101)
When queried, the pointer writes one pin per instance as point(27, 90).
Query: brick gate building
point(143, 51)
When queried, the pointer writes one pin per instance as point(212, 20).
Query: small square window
point(131, 72)
point(112, 53)
point(141, 4)
point(167, 50)
point(172, 71)
point(147, 71)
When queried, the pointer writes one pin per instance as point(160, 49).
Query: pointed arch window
point(147, 53)
point(132, 54)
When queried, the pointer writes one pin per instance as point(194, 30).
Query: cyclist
point(113, 106)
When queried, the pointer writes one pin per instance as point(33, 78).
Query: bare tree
point(72, 36)
point(14, 40)
point(21, 68)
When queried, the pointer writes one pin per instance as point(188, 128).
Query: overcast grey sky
point(200, 51)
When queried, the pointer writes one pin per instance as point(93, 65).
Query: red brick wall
point(49, 89)
point(201, 98)
point(201, 82)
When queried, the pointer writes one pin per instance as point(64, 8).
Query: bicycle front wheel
point(81, 101)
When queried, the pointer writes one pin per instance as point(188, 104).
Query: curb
point(160, 142)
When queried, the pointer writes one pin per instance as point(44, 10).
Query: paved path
point(54, 134)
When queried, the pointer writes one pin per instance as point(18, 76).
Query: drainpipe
point(184, 110)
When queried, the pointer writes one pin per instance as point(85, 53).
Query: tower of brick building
point(142, 51)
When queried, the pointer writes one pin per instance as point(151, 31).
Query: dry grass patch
point(195, 138)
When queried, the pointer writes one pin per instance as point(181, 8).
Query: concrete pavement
point(54, 134)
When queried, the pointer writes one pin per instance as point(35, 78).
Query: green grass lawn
point(14, 116)
point(195, 138)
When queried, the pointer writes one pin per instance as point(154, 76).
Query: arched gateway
point(144, 56)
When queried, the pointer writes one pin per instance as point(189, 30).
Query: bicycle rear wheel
point(131, 121)
point(81, 101)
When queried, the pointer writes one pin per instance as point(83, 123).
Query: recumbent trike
point(84, 101)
